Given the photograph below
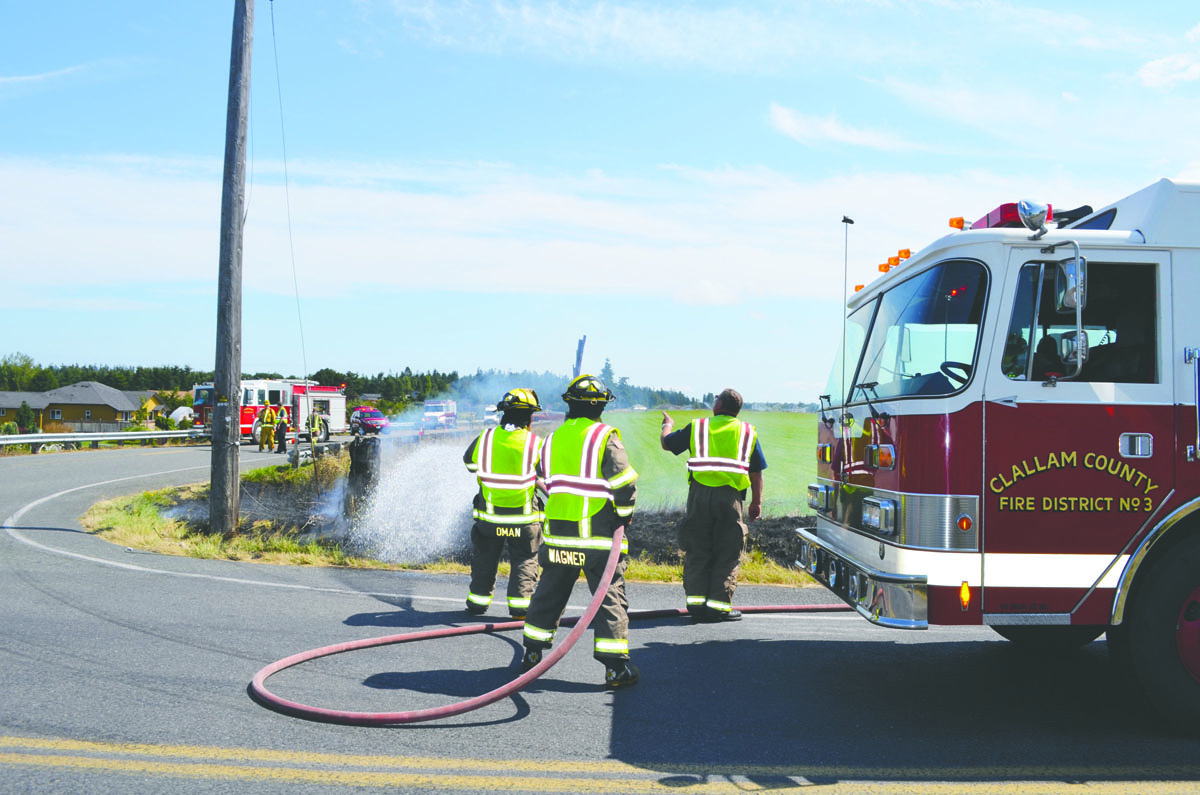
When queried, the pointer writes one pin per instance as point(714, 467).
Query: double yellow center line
point(531, 775)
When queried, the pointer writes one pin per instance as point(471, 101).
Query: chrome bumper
point(891, 600)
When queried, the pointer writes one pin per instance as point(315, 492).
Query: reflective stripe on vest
point(504, 463)
point(721, 448)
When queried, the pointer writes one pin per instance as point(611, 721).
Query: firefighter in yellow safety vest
point(508, 507)
point(591, 492)
point(725, 459)
point(266, 428)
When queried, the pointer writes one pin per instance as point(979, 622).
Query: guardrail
point(36, 441)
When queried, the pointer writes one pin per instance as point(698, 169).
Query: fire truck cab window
point(1120, 320)
point(925, 334)
point(273, 397)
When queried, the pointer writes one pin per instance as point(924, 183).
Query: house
point(11, 401)
point(87, 403)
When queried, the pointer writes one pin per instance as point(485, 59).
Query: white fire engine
point(1011, 437)
point(440, 414)
point(300, 397)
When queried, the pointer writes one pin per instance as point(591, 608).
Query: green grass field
point(788, 441)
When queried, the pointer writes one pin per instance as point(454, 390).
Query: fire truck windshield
point(924, 334)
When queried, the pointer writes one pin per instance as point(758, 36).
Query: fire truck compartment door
point(1074, 469)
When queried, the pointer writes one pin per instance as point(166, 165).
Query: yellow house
point(88, 402)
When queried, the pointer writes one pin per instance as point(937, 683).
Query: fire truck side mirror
point(1070, 285)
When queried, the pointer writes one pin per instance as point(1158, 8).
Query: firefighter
point(314, 426)
point(508, 508)
point(591, 492)
point(725, 458)
point(266, 428)
point(281, 430)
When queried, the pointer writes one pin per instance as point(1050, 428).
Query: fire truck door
point(1074, 468)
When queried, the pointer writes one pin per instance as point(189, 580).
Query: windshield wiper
point(878, 416)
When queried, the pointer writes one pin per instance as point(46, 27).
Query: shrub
point(9, 429)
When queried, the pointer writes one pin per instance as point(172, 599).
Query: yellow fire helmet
point(519, 399)
point(588, 389)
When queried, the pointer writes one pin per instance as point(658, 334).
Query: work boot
point(476, 609)
point(616, 678)
point(711, 616)
point(532, 657)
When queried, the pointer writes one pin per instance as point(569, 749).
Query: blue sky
point(476, 185)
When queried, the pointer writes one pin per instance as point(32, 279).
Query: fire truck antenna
point(846, 222)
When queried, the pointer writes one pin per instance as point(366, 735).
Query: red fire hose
point(262, 695)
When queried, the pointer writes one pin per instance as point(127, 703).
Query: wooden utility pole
point(227, 381)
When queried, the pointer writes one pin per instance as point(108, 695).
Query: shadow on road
point(829, 710)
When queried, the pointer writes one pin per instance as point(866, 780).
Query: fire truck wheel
point(1164, 635)
point(1044, 638)
point(256, 434)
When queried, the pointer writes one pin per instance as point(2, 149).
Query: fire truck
point(1010, 437)
point(440, 414)
point(301, 398)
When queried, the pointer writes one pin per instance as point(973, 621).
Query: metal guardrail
point(38, 440)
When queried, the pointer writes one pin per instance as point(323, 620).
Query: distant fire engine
point(440, 414)
point(1011, 437)
point(300, 397)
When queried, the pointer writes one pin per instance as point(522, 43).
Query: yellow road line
point(532, 775)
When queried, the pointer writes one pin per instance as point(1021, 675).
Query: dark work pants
point(554, 590)
point(712, 537)
point(489, 541)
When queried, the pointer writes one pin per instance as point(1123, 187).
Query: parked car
point(367, 419)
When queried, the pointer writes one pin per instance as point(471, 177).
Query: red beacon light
point(1006, 217)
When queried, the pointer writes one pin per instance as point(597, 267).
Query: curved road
point(126, 672)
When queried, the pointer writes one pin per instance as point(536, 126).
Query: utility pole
point(579, 356)
point(227, 380)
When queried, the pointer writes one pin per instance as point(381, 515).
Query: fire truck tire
point(256, 434)
point(1044, 638)
point(1163, 635)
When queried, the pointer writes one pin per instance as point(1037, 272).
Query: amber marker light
point(884, 452)
point(964, 595)
point(964, 523)
point(905, 253)
point(859, 287)
point(893, 261)
point(958, 223)
point(884, 267)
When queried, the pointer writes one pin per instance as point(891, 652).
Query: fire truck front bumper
point(899, 601)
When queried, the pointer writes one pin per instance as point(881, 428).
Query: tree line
point(396, 392)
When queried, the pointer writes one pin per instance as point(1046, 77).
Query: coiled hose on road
point(262, 695)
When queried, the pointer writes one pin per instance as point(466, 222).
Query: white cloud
point(38, 78)
point(691, 236)
point(731, 37)
point(816, 130)
point(1165, 72)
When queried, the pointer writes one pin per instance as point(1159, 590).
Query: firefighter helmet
point(519, 399)
point(588, 389)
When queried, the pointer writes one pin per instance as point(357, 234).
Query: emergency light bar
point(1005, 216)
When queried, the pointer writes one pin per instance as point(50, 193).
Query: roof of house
point(13, 400)
point(90, 393)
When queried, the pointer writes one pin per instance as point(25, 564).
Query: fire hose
point(265, 697)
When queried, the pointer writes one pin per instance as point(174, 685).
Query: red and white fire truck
point(301, 398)
point(1011, 437)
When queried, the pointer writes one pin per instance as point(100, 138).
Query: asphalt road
point(123, 671)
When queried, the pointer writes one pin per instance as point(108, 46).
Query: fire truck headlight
point(819, 497)
point(879, 515)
